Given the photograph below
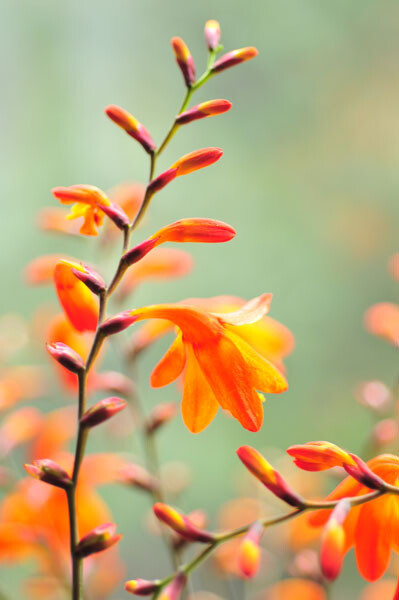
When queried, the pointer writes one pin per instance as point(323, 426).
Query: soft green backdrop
point(309, 178)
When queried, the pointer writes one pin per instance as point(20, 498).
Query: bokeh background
point(309, 179)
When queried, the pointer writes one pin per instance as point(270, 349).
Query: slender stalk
point(77, 565)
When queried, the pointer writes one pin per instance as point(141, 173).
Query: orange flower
point(220, 367)
point(383, 320)
point(78, 302)
point(298, 589)
point(371, 528)
point(18, 384)
point(91, 203)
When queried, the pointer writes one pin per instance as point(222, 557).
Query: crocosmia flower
point(79, 303)
point(220, 367)
point(370, 528)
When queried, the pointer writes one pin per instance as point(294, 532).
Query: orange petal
point(199, 405)
point(170, 366)
point(250, 312)
point(265, 376)
point(78, 302)
point(230, 379)
point(373, 537)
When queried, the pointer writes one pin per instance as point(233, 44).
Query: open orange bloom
point(221, 368)
point(88, 202)
point(79, 303)
point(371, 528)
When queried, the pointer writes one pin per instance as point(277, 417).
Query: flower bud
point(196, 160)
point(210, 108)
point(117, 215)
point(138, 252)
point(360, 471)
point(174, 589)
point(90, 278)
point(102, 411)
point(138, 477)
point(233, 58)
point(118, 323)
point(262, 470)
point(97, 540)
point(67, 357)
point(161, 181)
point(212, 34)
point(249, 551)
point(319, 456)
point(333, 541)
point(48, 471)
point(181, 524)
point(184, 60)
point(132, 127)
point(141, 587)
point(160, 415)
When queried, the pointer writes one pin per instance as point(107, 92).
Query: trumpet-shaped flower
point(221, 368)
point(371, 528)
point(78, 302)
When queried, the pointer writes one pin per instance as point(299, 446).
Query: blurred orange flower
point(298, 589)
point(383, 320)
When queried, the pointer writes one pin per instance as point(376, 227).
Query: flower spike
point(212, 34)
point(262, 470)
point(210, 108)
point(233, 58)
point(129, 123)
point(181, 524)
point(333, 541)
point(184, 60)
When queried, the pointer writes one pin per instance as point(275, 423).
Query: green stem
point(77, 565)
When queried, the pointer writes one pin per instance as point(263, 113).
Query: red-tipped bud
point(211, 108)
point(212, 34)
point(139, 251)
point(90, 278)
point(181, 524)
point(67, 357)
point(184, 60)
point(136, 130)
point(118, 323)
point(161, 181)
point(319, 456)
point(138, 477)
point(360, 471)
point(333, 541)
point(160, 415)
point(262, 470)
point(97, 540)
point(48, 471)
point(174, 589)
point(102, 411)
point(233, 58)
point(249, 551)
point(198, 230)
point(117, 215)
point(196, 160)
point(141, 587)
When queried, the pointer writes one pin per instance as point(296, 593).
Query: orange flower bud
point(141, 587)
point(48, 471)
point(333, 541)
point(117, 323)
point(233, 58)
point(360, 471)
point(196, 160)
point(138, 477)
point(97, 540)
point(90, 278)
point(249, 551)
point(212, 34)
point(161, 181)
point(102, 411)
point(181, 524)
point(79, 304)
point(319, 456)
point(132, 127)
point(160, 415)
point(262, 470)
point(186, 230)
point(184, 60)
point(174, 589)
point(67, 357)
point(210, 108)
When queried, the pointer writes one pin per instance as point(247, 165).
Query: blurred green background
point(309, 179)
